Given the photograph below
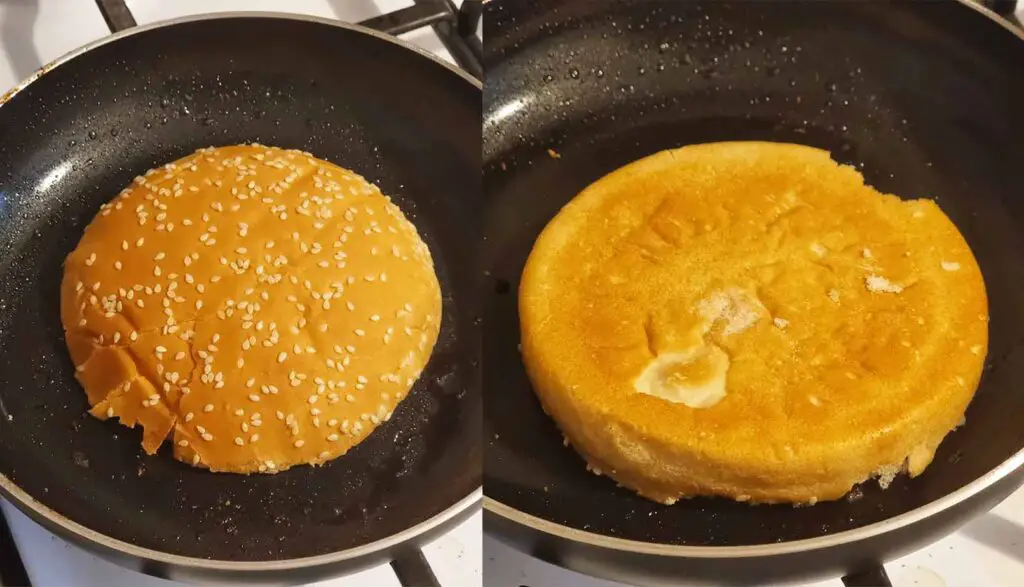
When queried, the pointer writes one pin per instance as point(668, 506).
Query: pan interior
point(924, 98)
point(75, 137)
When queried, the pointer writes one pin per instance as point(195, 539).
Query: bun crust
point(750, 320)
point(259, 307)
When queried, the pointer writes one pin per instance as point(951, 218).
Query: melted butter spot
point(695, 378)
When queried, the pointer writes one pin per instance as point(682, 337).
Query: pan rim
point(552, 529)
point(238, 14)
point(69, 529)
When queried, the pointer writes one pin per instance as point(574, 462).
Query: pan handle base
point(872, 577)
point(413, 570)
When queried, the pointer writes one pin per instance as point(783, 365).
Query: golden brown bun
point(262, 307)
point(825, 332)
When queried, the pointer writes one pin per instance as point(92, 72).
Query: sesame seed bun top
point(260, 307)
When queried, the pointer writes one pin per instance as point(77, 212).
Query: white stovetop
point(988, 552)
point(35, 32)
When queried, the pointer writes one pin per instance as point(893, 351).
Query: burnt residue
point(80, 460)
point(77, 135)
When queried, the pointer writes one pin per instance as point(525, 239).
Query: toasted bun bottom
point(750, 320)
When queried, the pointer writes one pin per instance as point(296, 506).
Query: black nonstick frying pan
point(78, 132)
point(924, 97)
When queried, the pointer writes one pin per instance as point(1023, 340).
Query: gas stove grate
point(456, 27)
point(12, 571)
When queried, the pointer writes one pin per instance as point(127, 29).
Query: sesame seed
point(208, 408)
point(282, 357)
point(254, 397)
point(299, 443)
point(239, 441)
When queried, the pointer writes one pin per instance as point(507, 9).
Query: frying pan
point(924, 97)
point(75, 134)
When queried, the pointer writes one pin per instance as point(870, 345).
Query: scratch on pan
point(3, 411)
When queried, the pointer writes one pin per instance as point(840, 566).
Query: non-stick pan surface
point(75, 136)
point(924, 97)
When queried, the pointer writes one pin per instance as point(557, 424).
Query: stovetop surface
point(988, 552)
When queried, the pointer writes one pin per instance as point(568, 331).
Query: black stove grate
point(12, 571)
point(456, 27)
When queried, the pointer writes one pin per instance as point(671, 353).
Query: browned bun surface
point(750, 320)
point(259, 307)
